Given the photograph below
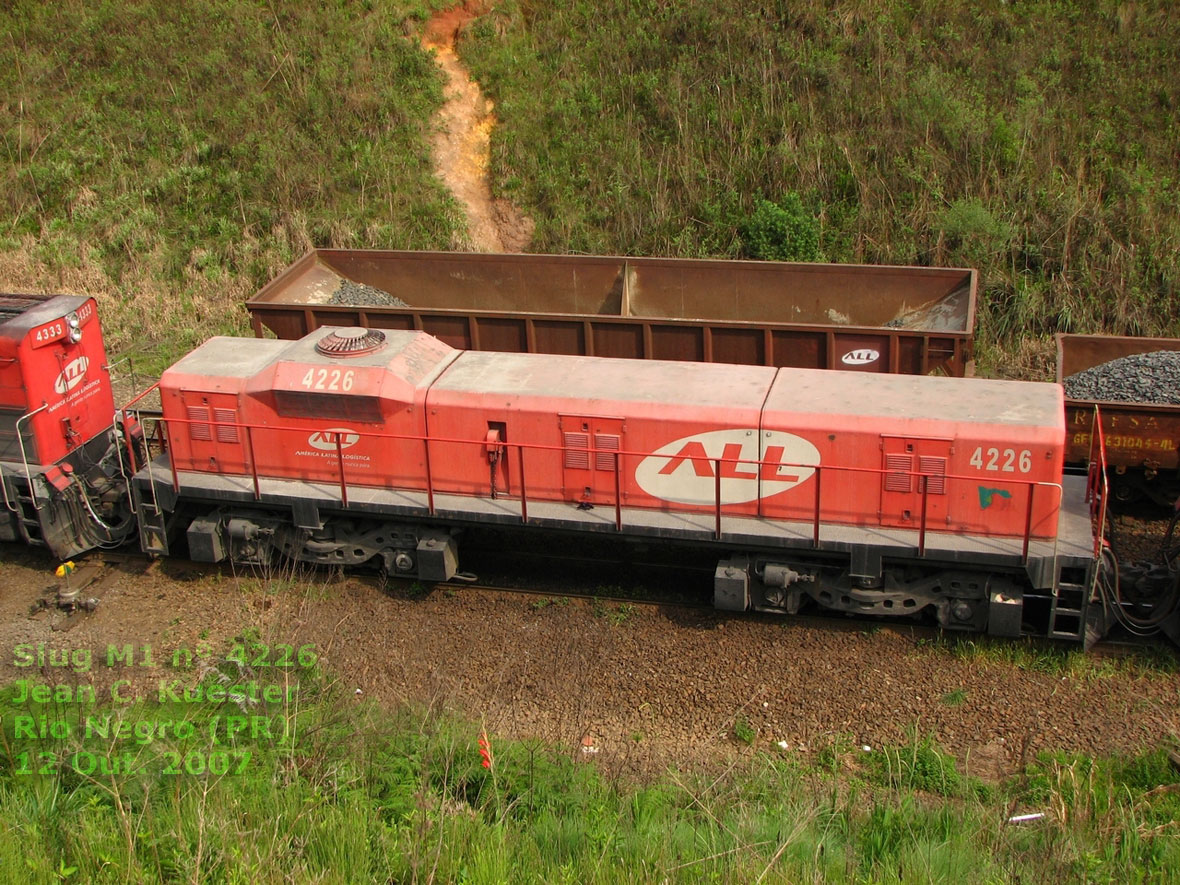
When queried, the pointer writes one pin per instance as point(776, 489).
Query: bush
point(781, 232)
point(968, 224)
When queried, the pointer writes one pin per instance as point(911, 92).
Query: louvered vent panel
point(226, 434)
point(936, 467)
point(577, 450)
point(332, 406)
point(199, 431)
point(901, 481)
point(606, 443)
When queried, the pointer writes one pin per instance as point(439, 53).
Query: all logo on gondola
point(862, 356)
point(751, 464)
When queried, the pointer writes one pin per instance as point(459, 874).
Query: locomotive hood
point(306, 378)
point(385, 368)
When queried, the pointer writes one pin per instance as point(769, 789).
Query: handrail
point(818, 510)
point(1097, 482)
point(429, 475)
point(123, 472)
point(108, 367)
point(4, 485)
point(20, 441)
point(925, 484)
point(340, 463)
point(618, 495)
point(160, 423)
point(1028, 515)
point(125, 410)
point(524, 504)
point(620, 457)
point(250, 452)
point(717, 477)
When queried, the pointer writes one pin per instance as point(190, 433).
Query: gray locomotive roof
point(245, 357)
point(40, 309)
point(224, 357)
point(921, 397)
point(599, 378)
point(703, 385)
point(810, 391)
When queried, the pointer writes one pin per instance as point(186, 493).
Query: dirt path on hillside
point(461, 141)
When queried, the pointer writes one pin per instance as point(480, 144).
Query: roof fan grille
point(350, 342)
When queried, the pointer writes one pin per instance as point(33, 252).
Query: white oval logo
point(685, 471)
point(325, 440)
point(861, 357)
point(71, 375)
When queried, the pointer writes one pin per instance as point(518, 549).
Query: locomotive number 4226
point(329, 379)
point(1002, 460)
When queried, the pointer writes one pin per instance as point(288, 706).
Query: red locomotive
point(60, 468)
point(872, 494)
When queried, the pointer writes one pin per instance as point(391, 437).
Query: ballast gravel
point(357, 294)
point(1138, 378)
point(638, 688)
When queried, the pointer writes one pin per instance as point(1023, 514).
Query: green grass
point(172, 158)
point(1035, 141)
point(1041, 656)
point(744, 731)
point(955, 698)
point(354, 794)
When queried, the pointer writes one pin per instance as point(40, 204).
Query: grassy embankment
point(338, 791)
point(171, 158)
point(1036, 141)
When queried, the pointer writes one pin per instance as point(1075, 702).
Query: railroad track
point(102, 569)
point(618, 605)
point(594, 598)
point(1115, 647)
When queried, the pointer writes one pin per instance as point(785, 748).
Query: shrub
point(783, 231)
point(968, 224)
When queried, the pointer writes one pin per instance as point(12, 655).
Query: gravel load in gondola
point(1138, 378)
point(359, 294)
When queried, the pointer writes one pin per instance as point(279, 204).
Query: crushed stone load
point(359, 295)
point(1138, 378)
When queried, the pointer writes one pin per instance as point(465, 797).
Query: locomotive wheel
point(1124, 490)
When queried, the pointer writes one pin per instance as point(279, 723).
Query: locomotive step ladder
point(153, 529)
point(1067, 615)
point(30, 518)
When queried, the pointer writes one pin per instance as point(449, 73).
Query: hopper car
point(1141, 439)
point(861, 318)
